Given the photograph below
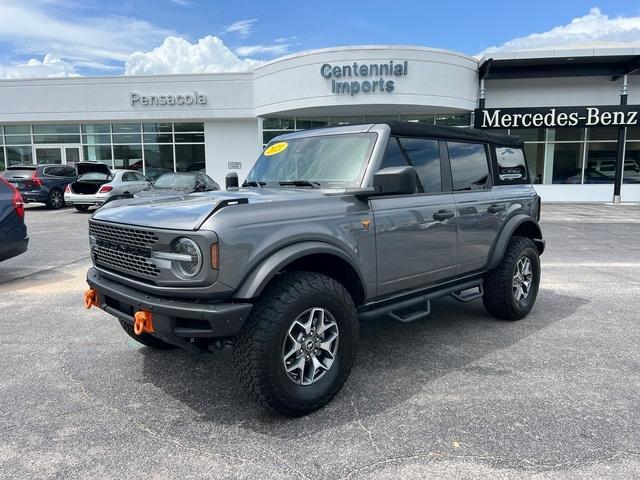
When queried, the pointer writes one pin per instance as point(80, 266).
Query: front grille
point(124, 235)
point(124, 249)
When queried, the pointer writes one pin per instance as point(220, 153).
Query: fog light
point(192, 263)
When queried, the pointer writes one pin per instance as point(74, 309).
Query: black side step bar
point(454, 290)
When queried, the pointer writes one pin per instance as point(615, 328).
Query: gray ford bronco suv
point(331, 227)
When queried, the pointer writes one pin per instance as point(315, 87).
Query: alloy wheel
point(522, 279)
point(56, 199)
point(310, 346)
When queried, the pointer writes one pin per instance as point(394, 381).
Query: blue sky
point(75, 37)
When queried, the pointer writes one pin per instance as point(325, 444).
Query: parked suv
point(41, 183)
point(13, 232)
point(331, 226)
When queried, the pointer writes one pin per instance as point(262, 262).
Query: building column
point(622, 133)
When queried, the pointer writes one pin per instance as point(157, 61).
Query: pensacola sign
point(364, 77)
point(193, 98)
point(558, 117)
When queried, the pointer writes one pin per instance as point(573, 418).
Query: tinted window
point(510, 163)
point(139, 177)
point(51, 171)
point(425, 157)
point(69, 172)
point(469, 167)
point(393, 156)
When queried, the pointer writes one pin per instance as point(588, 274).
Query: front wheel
point(297, 348)
point(510, 290)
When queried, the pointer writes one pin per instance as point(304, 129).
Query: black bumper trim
point(222, 319)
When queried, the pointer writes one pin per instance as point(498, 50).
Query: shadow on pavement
point(395, 361)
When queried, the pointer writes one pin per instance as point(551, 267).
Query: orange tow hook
point(143, 322)
point(90, 298)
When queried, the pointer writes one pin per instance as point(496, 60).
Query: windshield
point(94, 177)
point(333, 161)
point(18, 172)
point(175, 180)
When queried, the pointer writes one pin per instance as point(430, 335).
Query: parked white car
point(97, 184)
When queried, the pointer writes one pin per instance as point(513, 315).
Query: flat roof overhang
point(614, 66)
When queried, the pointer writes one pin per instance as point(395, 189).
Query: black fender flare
point(500, 245)
point(265, 270)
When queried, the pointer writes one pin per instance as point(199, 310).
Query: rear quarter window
point(512, 168)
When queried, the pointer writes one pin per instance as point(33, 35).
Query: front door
point(60, 154)
point(416, 235)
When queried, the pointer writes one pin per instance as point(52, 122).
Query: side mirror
point(395, 181)
point(231, 180)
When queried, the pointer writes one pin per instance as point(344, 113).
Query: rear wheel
point(82, 208)
point(510, 290)
point(55, 200)
point(297, 348)
point(146, 339)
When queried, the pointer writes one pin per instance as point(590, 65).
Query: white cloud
point(100, 40)
point(183, 3)
point(249, 50)
point(49, 67)
point(593, 29)
point(177, 55)
point(241, 27)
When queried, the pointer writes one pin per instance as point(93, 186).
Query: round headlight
point(186, 268)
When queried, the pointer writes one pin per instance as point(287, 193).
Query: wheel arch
point(519, 225)
point(316, 257)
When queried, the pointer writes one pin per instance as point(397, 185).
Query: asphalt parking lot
point(457, 395)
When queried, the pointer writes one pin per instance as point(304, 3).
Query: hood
point(86, 167)
point(188, 212)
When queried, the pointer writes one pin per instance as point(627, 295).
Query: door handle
point(443, 215)
point(495, 208)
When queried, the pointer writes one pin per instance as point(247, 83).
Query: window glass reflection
point(566, 159)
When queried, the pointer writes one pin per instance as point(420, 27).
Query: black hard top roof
point(414, 129)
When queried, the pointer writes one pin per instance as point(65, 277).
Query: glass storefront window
point(99, 138)
point(268, 136)
point(534, 153)
point(463, 120)
point(602, 133)
point(631, 172)
point(2, 164)
point(428, 119)
point(127, 138)
point(565, 134)
point(189, 137)
point(158, 138)
point(157, 127)
point(57, 129)
point(19, 155)
point(98, 153)
point(61, 138)
point(188, 127)
point(17, 139)
point(190, 158)
point(310, 122)
point(601, 162)
point(566, 159)
point(17, 130)
point(278, 123)
point(337, 121)
point(96, 128)
point(158, 160)
point(528, 134)
point(127, 157)
point(125, 127)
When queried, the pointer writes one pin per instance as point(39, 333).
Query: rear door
point(416, 235)
point(480, 217)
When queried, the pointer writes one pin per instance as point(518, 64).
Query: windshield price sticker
point(276, 148)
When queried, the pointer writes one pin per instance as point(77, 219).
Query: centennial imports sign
point(355, 77)
point(558, 117)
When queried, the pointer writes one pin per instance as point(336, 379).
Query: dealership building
point(576, 109)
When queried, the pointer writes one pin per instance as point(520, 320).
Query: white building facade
point(220, 122)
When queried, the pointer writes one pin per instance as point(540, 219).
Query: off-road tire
point(55, 199)
point(498, 298)
point(257, 355)
point(82, 208)
point(146, 339)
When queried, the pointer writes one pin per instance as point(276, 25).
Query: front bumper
point(175, 321)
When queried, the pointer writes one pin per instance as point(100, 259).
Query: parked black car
point(41, 183)
point(178, 184)
point(13, 232)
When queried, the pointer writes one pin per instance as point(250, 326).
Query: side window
point(393, 156)
point(469, 166)
point(425, 157)
point(209, 182)
point(139, 177)
point(511, 165)
point(129, 177)
point(69, 172)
